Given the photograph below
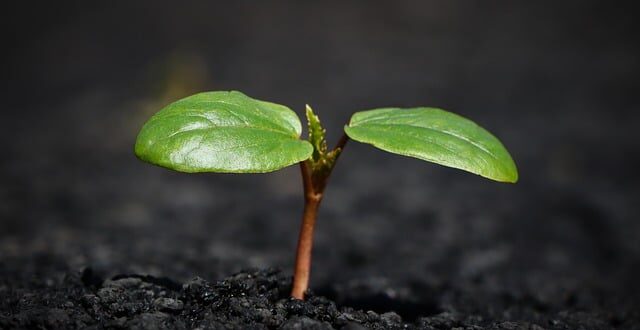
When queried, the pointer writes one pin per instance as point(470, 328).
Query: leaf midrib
point(479, 146)
point(258, 111)
point(218, 127)
point(214, 125)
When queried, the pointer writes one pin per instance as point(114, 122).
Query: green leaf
point(223, 132)
point(437, 136)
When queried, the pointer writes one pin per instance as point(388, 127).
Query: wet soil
point(259, 300)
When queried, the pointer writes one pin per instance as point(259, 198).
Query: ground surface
point(413, 243)
point(259, 300)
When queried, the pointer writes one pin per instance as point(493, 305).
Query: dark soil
point(259, 300)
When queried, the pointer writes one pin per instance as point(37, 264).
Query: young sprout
point(229, 132)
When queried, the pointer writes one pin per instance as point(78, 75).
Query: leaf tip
point(511, 174)
point(514, 176)
point(140, 147)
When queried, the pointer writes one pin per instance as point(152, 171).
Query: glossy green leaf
point(437, 136)
point(223, 132)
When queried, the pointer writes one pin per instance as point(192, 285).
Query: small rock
point(444, 320)
point(390, 319)
point(348, 317)
point(168, 304)
point(199, 289)
point(194, 283)
point(110, 294)
point(91, 303)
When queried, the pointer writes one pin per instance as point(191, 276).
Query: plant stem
point(305, 239)
point(313, 184)
point(341, 143)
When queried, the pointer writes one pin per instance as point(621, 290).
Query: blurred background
point(557, 82)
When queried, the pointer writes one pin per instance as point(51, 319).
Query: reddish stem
point(313, 190)
point(305, 240)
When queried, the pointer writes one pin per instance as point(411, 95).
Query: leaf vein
point(463, 138)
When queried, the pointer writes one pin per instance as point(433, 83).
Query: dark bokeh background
point(556, 81)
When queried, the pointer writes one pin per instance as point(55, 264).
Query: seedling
point(229, 132)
